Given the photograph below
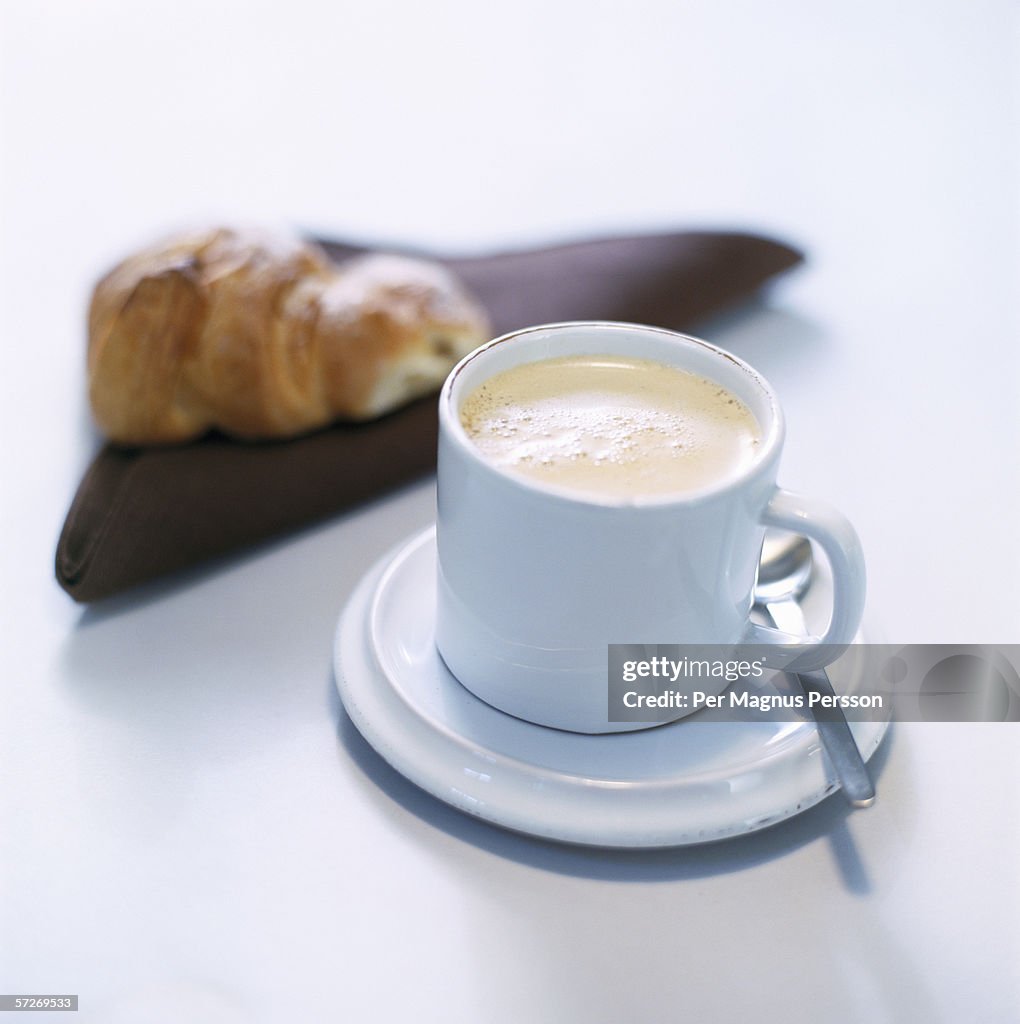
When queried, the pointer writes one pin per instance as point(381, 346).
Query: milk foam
point(612, 426)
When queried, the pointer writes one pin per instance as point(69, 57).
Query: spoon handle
point(833, 728)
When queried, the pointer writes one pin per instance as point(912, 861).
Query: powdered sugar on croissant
point(265, 337)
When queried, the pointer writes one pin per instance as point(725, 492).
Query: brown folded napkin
point(141, 513)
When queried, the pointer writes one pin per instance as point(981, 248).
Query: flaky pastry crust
point(265, 337)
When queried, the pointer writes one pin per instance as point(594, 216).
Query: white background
point(191, 830)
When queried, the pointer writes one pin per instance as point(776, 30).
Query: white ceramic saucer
point(683, 783)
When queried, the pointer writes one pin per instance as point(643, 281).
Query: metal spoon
point(783, 576)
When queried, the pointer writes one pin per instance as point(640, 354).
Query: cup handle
point(838, 540)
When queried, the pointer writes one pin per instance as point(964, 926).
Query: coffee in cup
point(611, 425)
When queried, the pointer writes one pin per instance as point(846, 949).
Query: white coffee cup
point(535, 581)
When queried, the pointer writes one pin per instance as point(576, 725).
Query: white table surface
point(191, 828)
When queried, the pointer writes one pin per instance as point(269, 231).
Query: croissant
point(265, 337)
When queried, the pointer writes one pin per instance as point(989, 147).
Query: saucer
point(673, 785)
